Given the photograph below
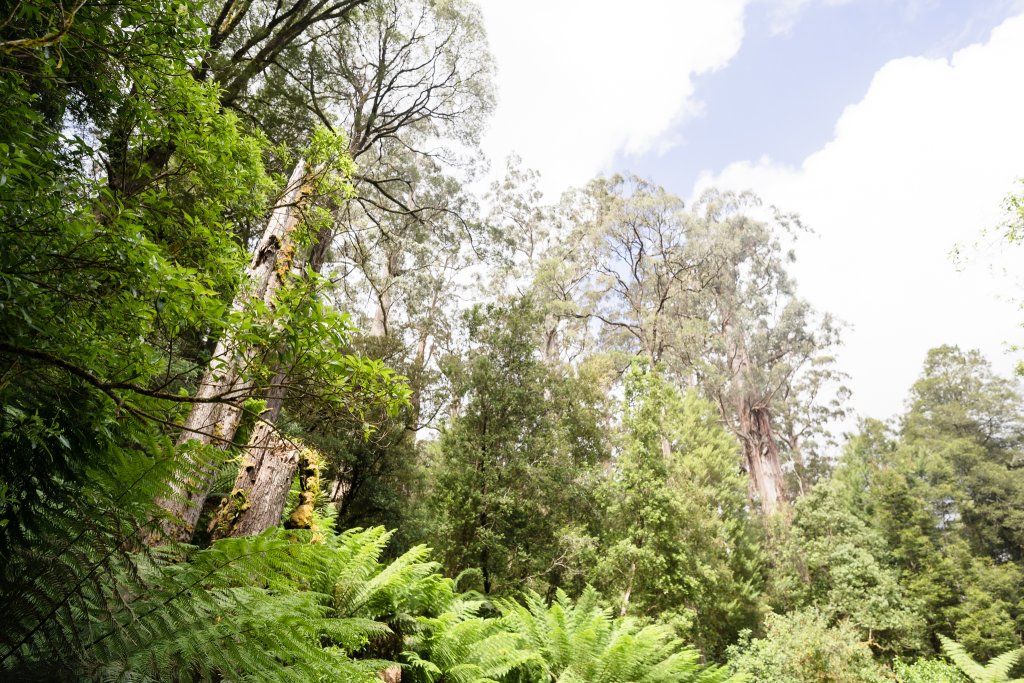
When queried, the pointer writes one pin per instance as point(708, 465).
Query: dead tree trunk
point(260, 490)
point(257, 499)
point(215, 422)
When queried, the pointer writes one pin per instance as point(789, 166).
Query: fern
point(564, 642)
point(462, 647)
point(583, 642)
point(997, 670)
point(289, 606)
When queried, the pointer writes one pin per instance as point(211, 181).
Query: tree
point(107, 295)
point(970, 423)
point(676, 539)
point(640, 265)
point(848, 576)
point(942, 493)
point(759, 336)
point(802, 647)
point(282, 299)
point(248, 38)
point(706, 291)
point(402, 79)
point(516, 464)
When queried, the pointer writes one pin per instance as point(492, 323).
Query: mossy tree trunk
point(213, 423)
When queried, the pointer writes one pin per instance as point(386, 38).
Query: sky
point(894, 128)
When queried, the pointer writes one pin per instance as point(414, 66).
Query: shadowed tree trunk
point(260, 490)
point(258, 497)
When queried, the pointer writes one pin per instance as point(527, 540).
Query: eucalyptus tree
point(810, 406)
point(411, 84)
point(642, 266)
point(247, 37)
point(704, 290)
point(123, 284)
point(758, 335)
point(535, 256)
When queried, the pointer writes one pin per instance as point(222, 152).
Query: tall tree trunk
point(215, 423)
point(263, 481)
point(416, 385)
point(624, 607)
point(383, 308)
point(764, 467)
point(258, 497)
point(261, 486)
point(753, 427)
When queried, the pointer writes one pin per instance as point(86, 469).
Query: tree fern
point(583, 642)
point(997, 670)
point(458, 646)
point(566, 642)
point(299, 606)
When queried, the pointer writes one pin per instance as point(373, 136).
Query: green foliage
point(970, 423)
point(927, 671)
point(323, 606)
point(459, 646)
point(676, 538)
point(582, 642)
point(1014, 207)
point(842, 568)
point(516, 467)
point(135, 170)
point(997, 670)
point(105, 289)
point(944, 497)
point(801, 647)
point(532, 642)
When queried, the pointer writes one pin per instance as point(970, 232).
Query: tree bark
point(624, 607)
point(379, 328)
point(261, 487)
point(258, 497)
point(309, 488)
point(767, 482)
point(215, 423)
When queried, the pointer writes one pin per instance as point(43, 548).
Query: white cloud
point(580, 81)
point(785, 12)
point(918, 166)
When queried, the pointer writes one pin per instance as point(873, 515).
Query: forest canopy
point(287, 396)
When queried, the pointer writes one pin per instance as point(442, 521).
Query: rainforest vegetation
point(288, 393)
